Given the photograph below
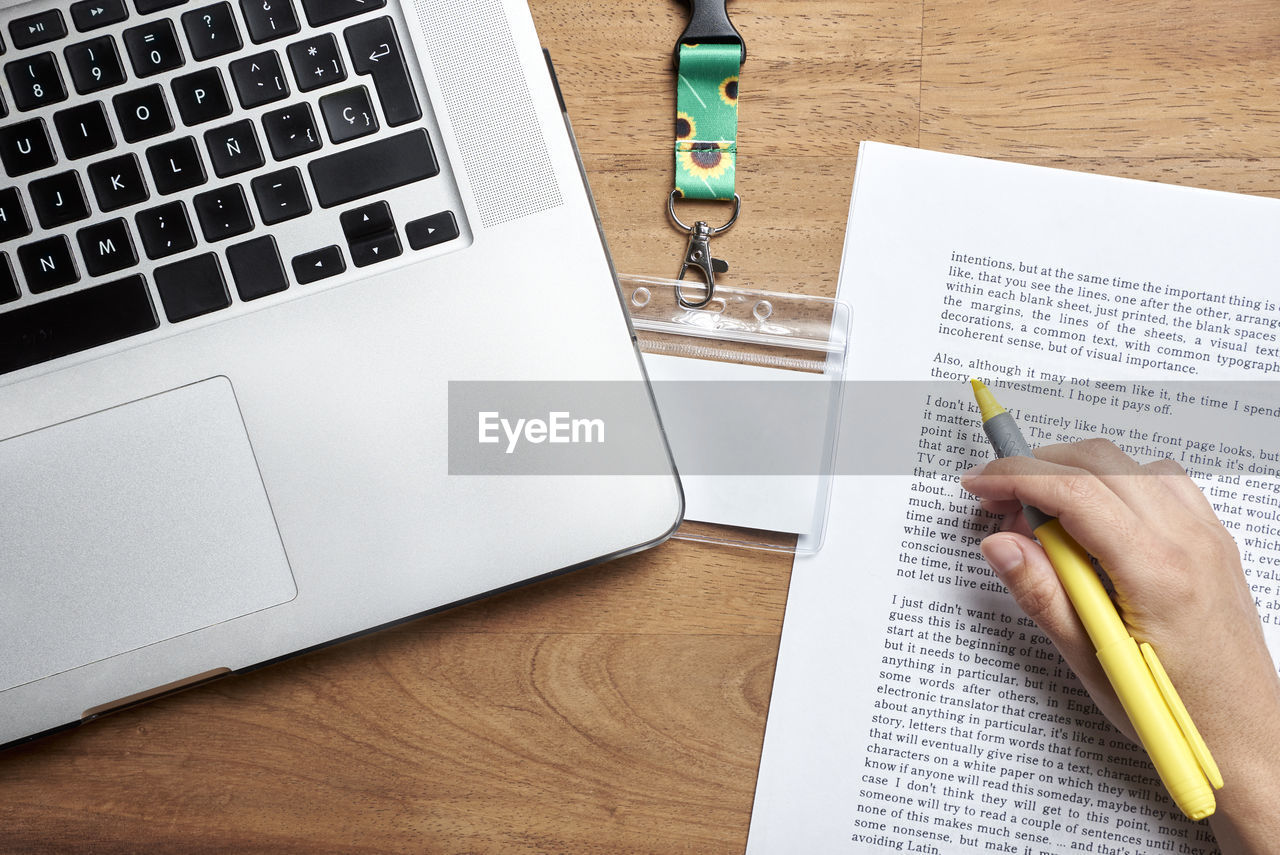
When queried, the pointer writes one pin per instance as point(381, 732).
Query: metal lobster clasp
point(698, 255)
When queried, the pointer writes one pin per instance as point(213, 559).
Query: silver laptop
point(245, 247)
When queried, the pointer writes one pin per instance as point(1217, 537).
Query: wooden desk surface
point(622, 709)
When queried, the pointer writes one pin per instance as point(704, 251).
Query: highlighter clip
point(1180, 715)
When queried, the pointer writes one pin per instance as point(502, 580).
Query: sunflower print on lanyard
point(707, 120)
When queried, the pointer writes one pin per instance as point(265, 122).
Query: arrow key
point(318, 264)
point(366, 221)
point(432, 230)
point(375, 248)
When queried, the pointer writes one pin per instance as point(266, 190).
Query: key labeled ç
point(348, 114)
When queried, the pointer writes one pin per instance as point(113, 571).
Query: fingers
point(1158, 492)
point(1107, 500)
point(1098, 518)
point(1024, 568)
point(1178, 583)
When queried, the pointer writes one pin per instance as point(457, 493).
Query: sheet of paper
point(772, 502)
point(914, 708)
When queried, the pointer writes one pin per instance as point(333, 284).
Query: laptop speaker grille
point(488, 101)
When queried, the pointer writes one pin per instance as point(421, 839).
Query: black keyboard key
point(91, 14)
point(259, 79)
point(269, 19)
point(326, 11)
point(13, 216)
point(73, 322)
point(35, 81)
point(106, 247)
point(117, 182)
point(281, 195)
point(223, 213)
point(94, 65)
point(31, 30)
point(291, 131)
point(367, 220)
point(165, 230)
point(316, 62)
point(318, 264)
point(192, 287)
point(143, 113)
point(201, 96)
point(146, 7)
point(432, 230)
point(153, 47)
point(47, 264)
point(256, 268)
point(58, 199)
point(84, 130)
point(8, 282)
point(175, 165)
point(348, 114)
point(372, 168)
point(233, 148)
point(371, 234)
point(375, 248)
point(211, 31)
point(25, 147)
point(375, 49)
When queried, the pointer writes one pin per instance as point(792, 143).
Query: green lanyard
point(706, 120)
point(708, 58)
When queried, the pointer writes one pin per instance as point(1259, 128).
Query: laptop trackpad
point(130, 526)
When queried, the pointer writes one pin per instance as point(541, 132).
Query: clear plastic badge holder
point(749, 390)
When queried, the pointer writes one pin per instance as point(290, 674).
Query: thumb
point(1021, 564)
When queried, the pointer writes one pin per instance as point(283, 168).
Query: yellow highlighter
point(1165, 729)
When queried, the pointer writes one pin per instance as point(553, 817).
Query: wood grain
point(621, 709)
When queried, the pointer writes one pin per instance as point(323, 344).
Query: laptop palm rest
point(130, 526)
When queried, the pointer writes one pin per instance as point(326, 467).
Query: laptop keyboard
point(174, 159)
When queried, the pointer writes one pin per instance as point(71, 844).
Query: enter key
point(375, 50)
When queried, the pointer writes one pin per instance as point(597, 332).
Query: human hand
point(1178, 584)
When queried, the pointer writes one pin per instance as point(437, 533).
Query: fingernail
point(1002, 554)
point(968, 474)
